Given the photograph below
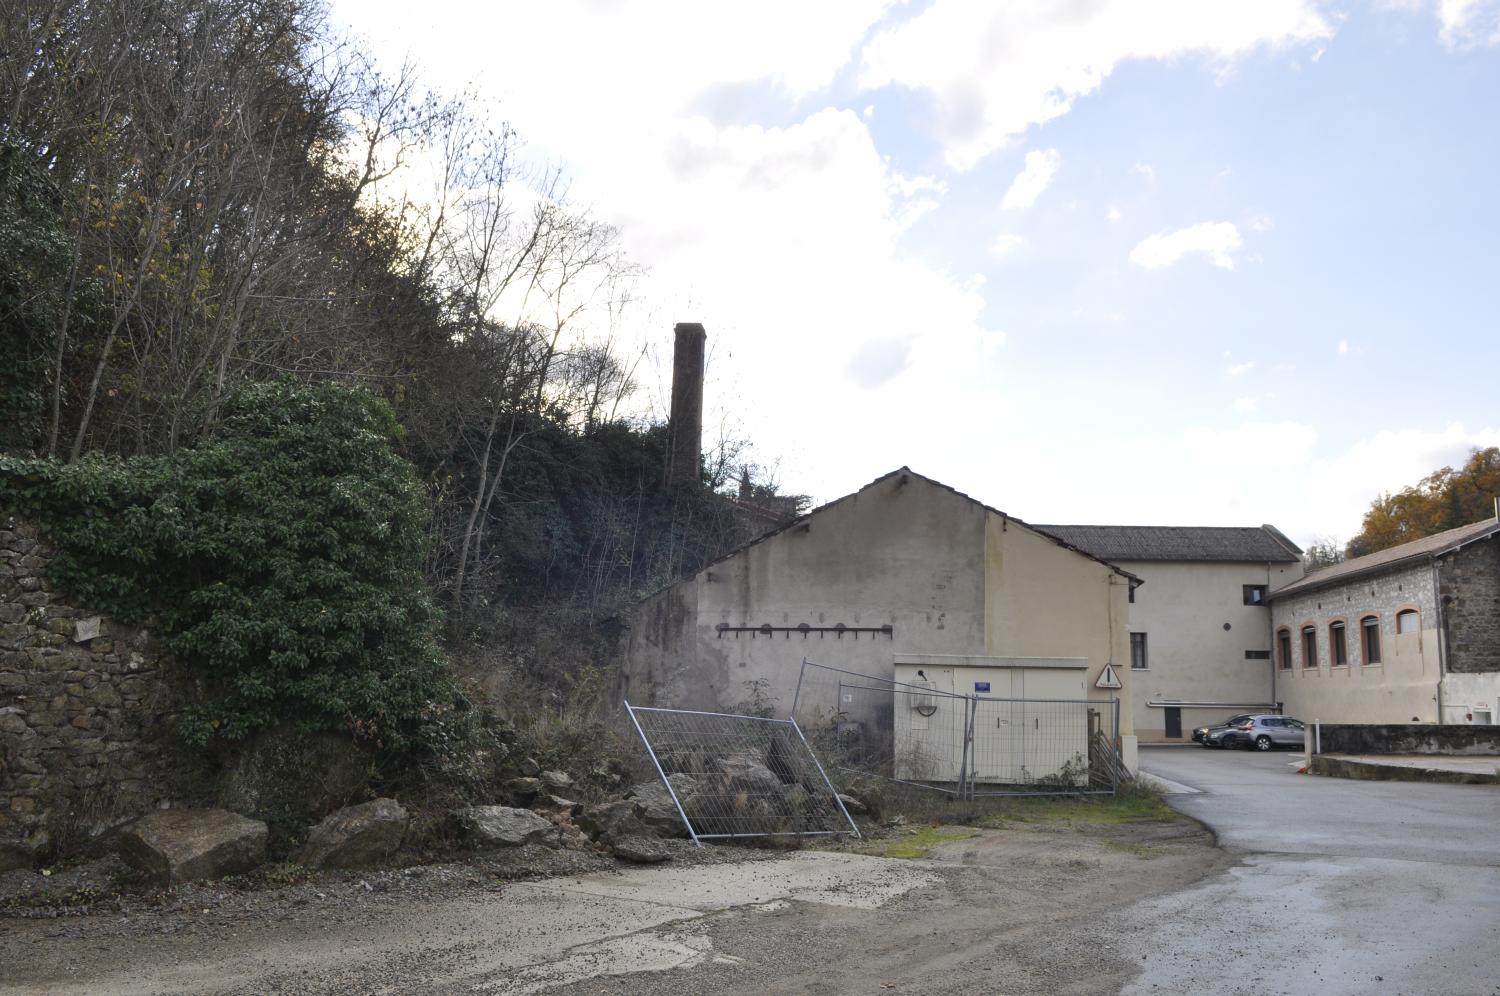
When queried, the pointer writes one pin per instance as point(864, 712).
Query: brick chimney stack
point(685, 430)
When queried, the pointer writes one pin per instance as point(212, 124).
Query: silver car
point(1265, 733)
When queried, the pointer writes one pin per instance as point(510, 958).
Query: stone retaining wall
point(85, 709)
point(1408, 738)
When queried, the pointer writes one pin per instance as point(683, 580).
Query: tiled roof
point(1254, 544)
point(1382, 560)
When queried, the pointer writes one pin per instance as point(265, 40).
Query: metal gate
point(966, 746)
point(740, 776)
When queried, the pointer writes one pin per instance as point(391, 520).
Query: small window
point(1369, 639)
point(1255, 594)
point(1309, 646)
point(1284, 649)
point(1338, 647)
point(1257, 655)
point(1138, 652)
point(1408, 621)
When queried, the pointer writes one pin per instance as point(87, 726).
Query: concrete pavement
point(1345, 887)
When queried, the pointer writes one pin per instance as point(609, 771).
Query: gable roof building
point(1200, 630)
point(1406, 634)
point(906, 567)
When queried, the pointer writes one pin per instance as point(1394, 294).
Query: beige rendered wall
point(901, 552)
point(1043, 600)
point(1183, 608)
point(1402, 688)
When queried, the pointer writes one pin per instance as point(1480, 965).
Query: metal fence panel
point(960, 745)
point(740, 776)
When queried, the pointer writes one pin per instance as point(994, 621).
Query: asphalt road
point(1343, 887)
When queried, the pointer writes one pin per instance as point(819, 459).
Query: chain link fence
point(964, 746)
point(740, 776)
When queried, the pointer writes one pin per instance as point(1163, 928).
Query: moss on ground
point(915, 842)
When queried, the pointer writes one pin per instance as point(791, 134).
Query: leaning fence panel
point(740, 776)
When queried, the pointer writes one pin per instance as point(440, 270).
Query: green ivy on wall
point(282, 559)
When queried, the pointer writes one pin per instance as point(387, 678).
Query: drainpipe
point(1271, 636)
point(1442, 632)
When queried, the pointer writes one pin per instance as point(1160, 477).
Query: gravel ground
point(1014, 911)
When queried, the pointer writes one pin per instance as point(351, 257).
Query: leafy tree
point(282, 558)
point(1444, 499)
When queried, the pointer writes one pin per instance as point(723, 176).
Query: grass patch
point(914, 843)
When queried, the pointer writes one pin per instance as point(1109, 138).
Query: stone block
point(355, 836)
point(87, 629)
point(180, 845)
point(502, 826)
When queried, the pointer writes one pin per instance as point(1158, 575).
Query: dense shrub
point(282, 559)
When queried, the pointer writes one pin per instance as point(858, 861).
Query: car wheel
point(1262, 743)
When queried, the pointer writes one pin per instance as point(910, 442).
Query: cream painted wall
point(948, 575)
point(1183, 608)
point(1042, 600)
point(908, 554)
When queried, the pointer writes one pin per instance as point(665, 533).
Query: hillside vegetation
point(302, 363)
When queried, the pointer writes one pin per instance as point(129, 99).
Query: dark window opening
point(1138, 660)
point(1369, 634)
point(1284, 646)
point(1309, 646)
point(1255, 594)
point(1338, 648)
point(1257, 655)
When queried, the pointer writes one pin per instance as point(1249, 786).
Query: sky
point(1178, 262)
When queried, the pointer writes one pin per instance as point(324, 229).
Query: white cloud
point(1007, 243)
point(1343, 347)
point(1041, 166)
point(1240, 369)
point(1468, 22)
point(1333, 487)
point(994, 70)
point(1216, 239)
point(1113, 214)
point(785, 241)
point(1145, 171)
point(1245, 406)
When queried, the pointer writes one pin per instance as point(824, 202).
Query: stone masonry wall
point(85, 705)
point(1469, 583)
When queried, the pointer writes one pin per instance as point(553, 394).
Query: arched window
point(1284, 649)
point(1338, 646)
point(1309, 646)
point(1369, 640)
point(1408, 621)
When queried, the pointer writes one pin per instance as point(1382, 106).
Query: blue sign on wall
point(981, 686)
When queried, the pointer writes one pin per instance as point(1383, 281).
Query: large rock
point(655, 808)
point(502, 826)
point(179, 845)
point(557, 781)
point(292, 777)
point(614, 821)
point(355, 836)
point(641, 850)
point(748, 773)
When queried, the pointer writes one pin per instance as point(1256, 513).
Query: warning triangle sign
point(1108, 678)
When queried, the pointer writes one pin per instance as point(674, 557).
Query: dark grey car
point(1212, 736)
point(1265, 733)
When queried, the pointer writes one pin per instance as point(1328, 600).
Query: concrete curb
point(1343, 767)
